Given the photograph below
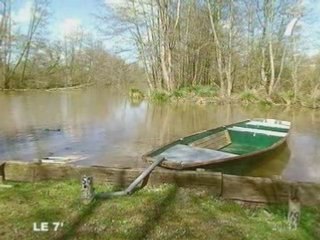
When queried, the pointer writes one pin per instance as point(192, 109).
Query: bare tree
point(39, 14)
point(6, 41)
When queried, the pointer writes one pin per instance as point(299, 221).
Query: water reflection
point(266, 165)
point(106, 128)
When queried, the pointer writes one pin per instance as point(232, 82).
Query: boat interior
point(225, 142)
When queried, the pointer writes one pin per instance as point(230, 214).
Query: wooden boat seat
point(268, 124)
point(259, 131)
point(215, 141)
point(186, 154)
point(241, 149)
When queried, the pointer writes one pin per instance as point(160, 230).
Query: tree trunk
point(218, 51)
point(272, 70)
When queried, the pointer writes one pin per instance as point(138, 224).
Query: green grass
point(249, 96)
point(160, 96)
point(191, 93)
point(286, 97)
point(195, 91)
point(136, 94)
point(205, 94)
point(164, 212)
point(205, 91)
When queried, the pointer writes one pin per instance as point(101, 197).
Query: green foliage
point(204, 91)
point(181, 92)
point(249, 97)
point(195, 91)
point(265, 102)
point(135, 93)
point(310, 101)
point(160, 96)
point(286, 97)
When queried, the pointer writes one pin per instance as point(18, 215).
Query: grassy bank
point(165, 212)
point(209, 94)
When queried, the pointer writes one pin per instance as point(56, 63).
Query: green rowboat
point(234, 142)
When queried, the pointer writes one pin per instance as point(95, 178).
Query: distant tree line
point(32, 60)
point(245, 46)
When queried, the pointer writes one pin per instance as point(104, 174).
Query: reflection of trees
point(166, 122)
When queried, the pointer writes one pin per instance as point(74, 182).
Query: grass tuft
point(248, 97)
point(160, 96)
point(136, 94)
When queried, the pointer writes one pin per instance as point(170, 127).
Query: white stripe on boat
point(253, 130)
point(268, 124)
point(269, 120)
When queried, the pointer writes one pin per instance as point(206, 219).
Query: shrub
point(204, 91)
point(287, 97)
point(160, 96)
point(135, 93)
point(181, 92)
point(249, 96)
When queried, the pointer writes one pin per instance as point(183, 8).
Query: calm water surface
point(105, 128)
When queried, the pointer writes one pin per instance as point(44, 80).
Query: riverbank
point(163, 212)
point(202, 95)
point(210, 95)
point(74, 87)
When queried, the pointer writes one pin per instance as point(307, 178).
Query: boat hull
point(236, 142)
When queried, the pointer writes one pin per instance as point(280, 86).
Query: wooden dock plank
point(309, 193)
point(30, 172)
point(243, 188)
point(254, 189)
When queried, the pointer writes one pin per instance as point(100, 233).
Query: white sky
point(23, 14)
point(69, 26)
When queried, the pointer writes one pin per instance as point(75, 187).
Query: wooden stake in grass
point(294, 211)
point(1, 173)
point(2, 177)
point(87, 190)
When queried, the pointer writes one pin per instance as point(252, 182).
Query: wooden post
point(87, 190)
point(294, 210)
point(2, 178)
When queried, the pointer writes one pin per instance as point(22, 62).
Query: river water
point(103, 127)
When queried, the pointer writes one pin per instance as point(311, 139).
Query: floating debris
point(62, 159)
point(53, 130)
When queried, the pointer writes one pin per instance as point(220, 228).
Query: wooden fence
point(243, 188)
